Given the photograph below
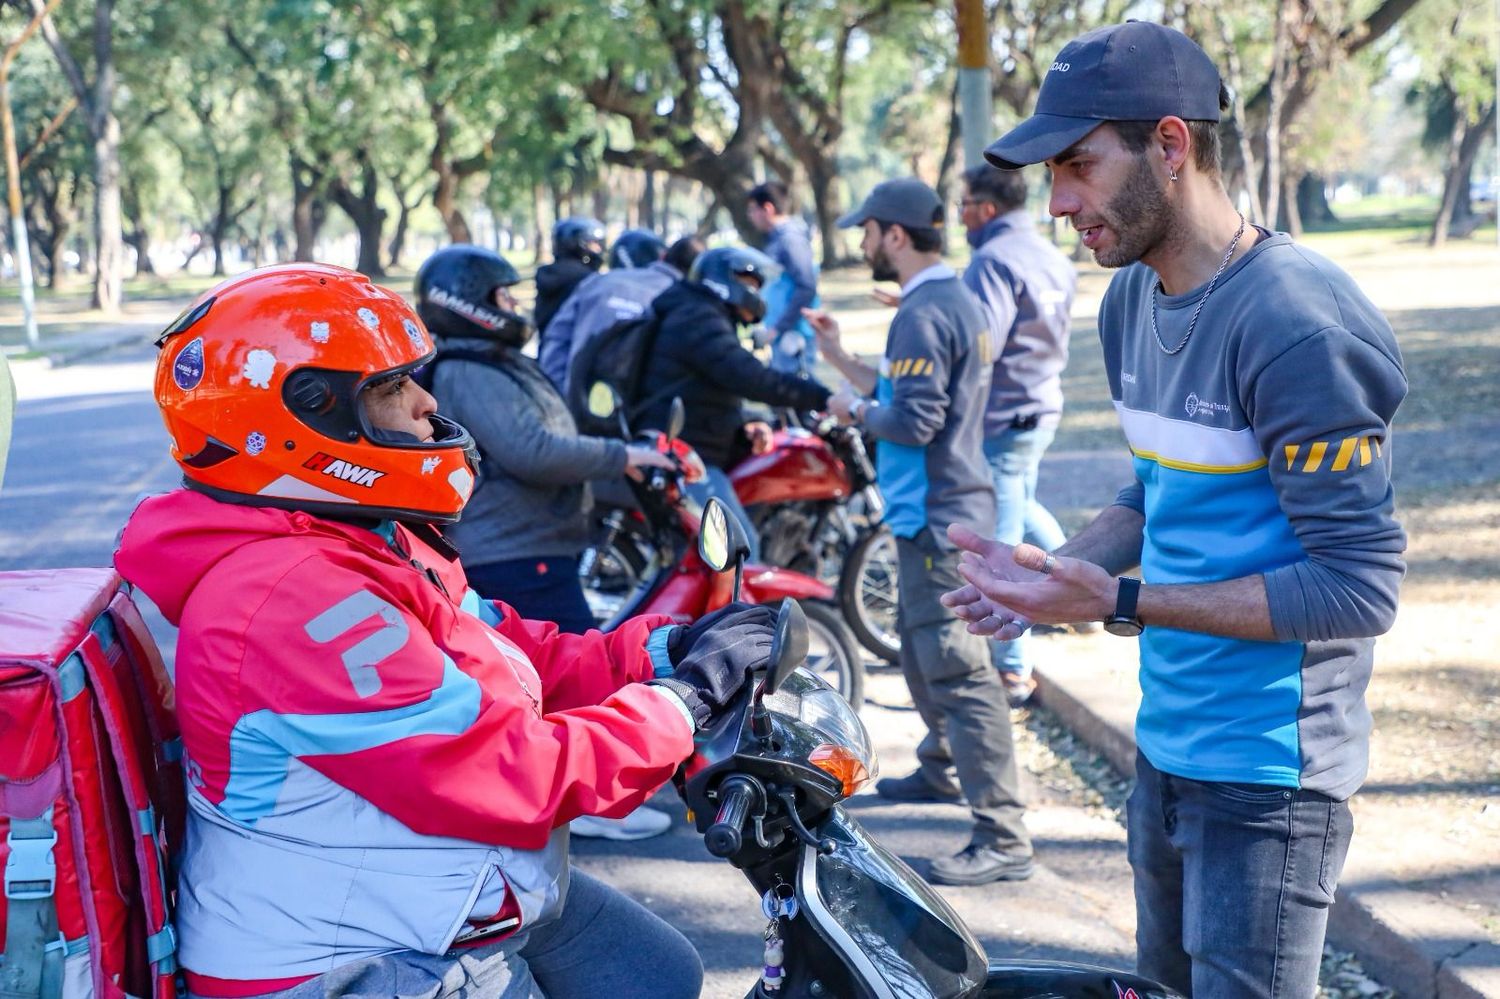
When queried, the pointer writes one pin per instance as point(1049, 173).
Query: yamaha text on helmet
point(579, 238)
point(737, 275)
point(259, 383)
point(636, 248)
point(456, 296)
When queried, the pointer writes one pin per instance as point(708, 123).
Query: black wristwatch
point(1123, 621)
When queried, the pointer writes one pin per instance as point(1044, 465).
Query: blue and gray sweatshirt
point(930, 422)
point(796, 288)
point(1262, 448)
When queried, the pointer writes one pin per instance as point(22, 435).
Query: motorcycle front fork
point(613, 522)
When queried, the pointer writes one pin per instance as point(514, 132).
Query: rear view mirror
point(789, 646)
point(677, 419)
point(713, 536)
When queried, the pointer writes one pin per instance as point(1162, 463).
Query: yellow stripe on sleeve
point(1364, 451)
point(1291, 454)
point(1346, 452)
point(1315, 456)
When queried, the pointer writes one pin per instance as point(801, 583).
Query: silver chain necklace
point(1193, 322)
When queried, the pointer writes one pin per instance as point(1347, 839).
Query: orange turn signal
point(842, 765)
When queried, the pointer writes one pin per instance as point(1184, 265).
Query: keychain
point(770, 978)
point(776, 907)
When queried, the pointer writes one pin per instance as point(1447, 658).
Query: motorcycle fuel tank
point(799, 466)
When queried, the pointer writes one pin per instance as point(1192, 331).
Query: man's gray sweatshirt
point(1262, 447)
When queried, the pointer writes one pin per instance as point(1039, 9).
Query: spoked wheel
point(832, 653)
point(610, 574)
point(868, 592)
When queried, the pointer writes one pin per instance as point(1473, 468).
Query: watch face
point(1123, 627)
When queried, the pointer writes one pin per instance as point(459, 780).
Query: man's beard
point(881, 268)
point(1139, 215)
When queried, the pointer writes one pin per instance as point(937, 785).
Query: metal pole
point(975, 107)
point(13, 181)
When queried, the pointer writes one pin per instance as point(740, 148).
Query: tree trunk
point(1270, 180)
point(823, 183)
point(648, 201)
point(308, 209)
point(219, 230)
point(541, 245)
point(363, 209)
point(1289, 206)
point(1312, 201)
point(1465, 147)
point(403, 217)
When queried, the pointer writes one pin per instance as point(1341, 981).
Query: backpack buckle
point(31, 869)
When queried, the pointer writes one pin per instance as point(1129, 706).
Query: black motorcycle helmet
point(580, 238)
point(636, 248)
point(725, 270)
point(456, 296)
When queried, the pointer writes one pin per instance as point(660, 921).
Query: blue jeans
point(540, 589)
point(1015, 457)
point(1232, 883)
point(717, 484)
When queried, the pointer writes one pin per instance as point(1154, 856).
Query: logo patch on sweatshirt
point(348, 471)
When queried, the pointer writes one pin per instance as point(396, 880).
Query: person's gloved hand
point(712, 657)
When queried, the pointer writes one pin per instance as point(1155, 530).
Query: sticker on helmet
point(259, 366)
point(461, 481)
point(255, 443)
point(369, 318)
point(428, 464)
point(187, 367)
point(414, 334)
point(340, 468)
point(320, 332)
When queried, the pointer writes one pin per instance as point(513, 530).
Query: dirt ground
point(1428, 817)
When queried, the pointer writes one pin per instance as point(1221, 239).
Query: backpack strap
point(34, 948)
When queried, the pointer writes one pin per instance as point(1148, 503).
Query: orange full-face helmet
point(259, 385)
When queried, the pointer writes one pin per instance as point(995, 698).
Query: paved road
point(88, 442)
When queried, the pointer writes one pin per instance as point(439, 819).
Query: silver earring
point(1173, 176)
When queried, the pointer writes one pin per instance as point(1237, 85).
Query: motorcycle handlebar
point(737, 796)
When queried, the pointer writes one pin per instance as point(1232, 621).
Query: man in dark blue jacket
point(697, 357)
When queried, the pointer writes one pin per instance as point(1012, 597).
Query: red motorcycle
point(813, 501)
point(652, 548)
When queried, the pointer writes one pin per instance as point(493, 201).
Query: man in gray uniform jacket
point(1026, 286)
point(927, 415)
point(1256, 386)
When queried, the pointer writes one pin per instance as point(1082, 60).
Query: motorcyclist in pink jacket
point(381, 765)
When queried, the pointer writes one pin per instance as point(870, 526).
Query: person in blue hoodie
point(793, 346)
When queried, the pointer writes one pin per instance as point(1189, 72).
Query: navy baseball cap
point(1136, 71)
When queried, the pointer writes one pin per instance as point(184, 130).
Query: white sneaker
point(643, 823)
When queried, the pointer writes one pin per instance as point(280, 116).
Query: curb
point(1412, 942)
point(62, 358)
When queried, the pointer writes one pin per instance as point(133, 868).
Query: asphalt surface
point(88, 443)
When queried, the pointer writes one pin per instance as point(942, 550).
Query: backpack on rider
point(617, 358)
point(91, 791)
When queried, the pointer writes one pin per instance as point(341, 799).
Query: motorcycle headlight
point(845, 752)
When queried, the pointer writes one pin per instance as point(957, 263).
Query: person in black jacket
point(577, 252)
point(697, 356)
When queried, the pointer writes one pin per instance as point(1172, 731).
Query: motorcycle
point(845, 916)
point(675, 581)
point(813, 502)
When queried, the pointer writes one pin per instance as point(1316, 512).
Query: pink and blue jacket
point(376, 758)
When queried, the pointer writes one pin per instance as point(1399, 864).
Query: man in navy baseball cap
point(1136, 71)
point(1246, 370)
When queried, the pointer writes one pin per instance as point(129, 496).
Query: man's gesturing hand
point(1010, 588)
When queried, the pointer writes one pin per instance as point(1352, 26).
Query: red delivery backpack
point(91, 793)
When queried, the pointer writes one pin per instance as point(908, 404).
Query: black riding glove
point(714, 656)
